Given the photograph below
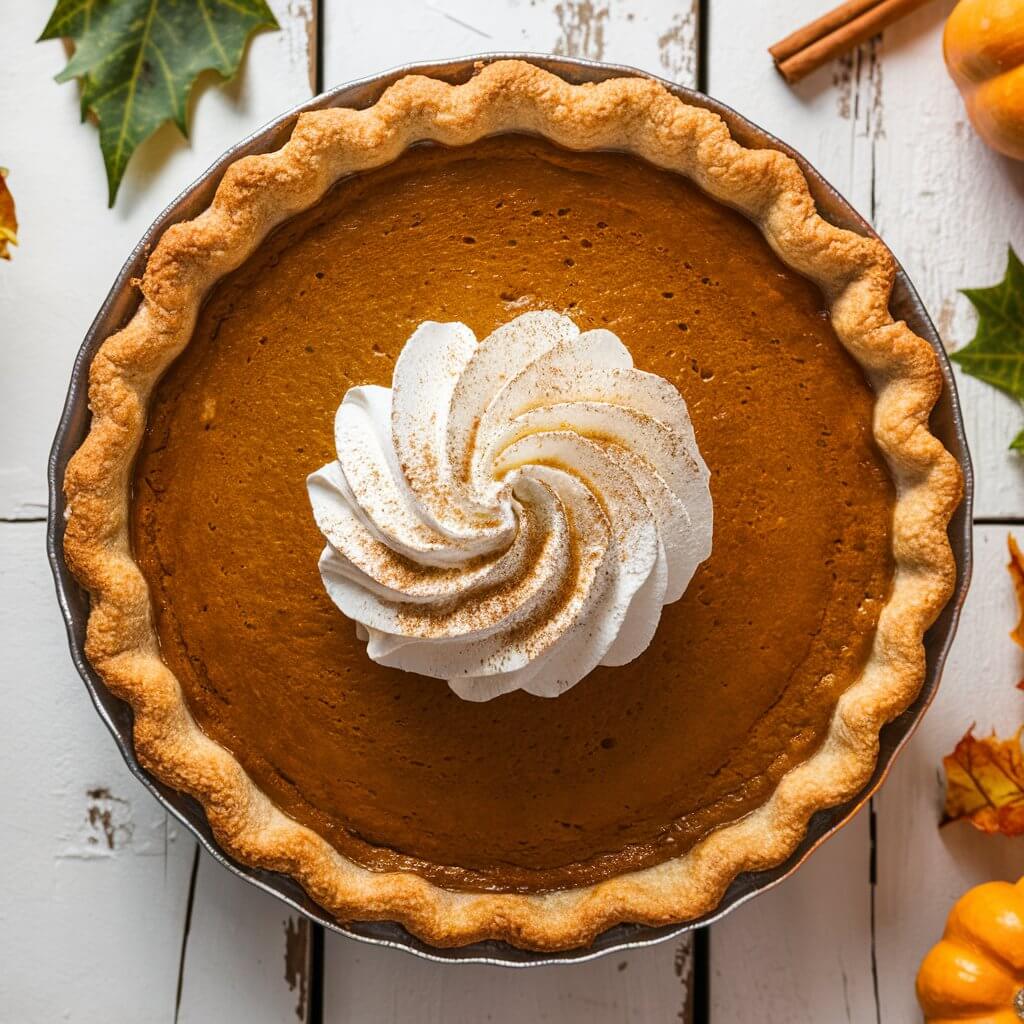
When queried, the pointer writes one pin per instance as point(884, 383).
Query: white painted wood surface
point(72, 246)
point(97, 878)
point(99, 882)
point(801, 952)
point(656, 35)
point(243, 950)
point(94, 873)
point(922, 870)
point(382, 986)
point(932, 169)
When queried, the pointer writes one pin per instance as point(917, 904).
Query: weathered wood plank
point(71, 245)
point(384, 986)
point(801, 953)
point(656, 35)
point(96, 874)
point(368, 984)
point(922, 869)
point(100, 877)
point(948, 206)
point(243, 950)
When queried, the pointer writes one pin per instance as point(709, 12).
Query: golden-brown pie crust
point(258, 193)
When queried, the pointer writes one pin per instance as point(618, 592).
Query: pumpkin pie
point(445, 224)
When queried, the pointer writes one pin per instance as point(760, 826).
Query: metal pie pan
point(947, 423)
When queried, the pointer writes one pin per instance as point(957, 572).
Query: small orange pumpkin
point(984, 50)
point(976, 973)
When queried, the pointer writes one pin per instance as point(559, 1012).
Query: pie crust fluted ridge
point(259, 192)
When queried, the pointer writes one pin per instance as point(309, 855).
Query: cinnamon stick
point(803, 37)
point(836, 32)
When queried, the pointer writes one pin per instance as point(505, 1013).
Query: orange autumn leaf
point(985, 784)
point(8, 220)
point(1016, 568)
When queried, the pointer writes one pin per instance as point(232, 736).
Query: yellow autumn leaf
point(985, 784)
point(8, 220)
point(1016, 568)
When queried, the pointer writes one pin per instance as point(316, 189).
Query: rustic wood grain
point(657, 35)
point(949, 206)
point(95, 873)
point(98, 877)
point(801, 953)
point(922, 870)
point(71, 246)
point(244, 949)
point(384, 986)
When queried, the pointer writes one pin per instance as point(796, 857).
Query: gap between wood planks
point(872, 49)
point(189, 904)
point(314, 1005)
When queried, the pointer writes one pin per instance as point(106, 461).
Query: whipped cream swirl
point(512, 512)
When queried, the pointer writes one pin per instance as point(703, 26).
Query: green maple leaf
point(996, 353)
point(138, 61)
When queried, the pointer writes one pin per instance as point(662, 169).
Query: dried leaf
point(985, 784)
point(138, 60)
point(8, 219)
point(1016, 568)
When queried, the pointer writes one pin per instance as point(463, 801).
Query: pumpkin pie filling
point(636, 763)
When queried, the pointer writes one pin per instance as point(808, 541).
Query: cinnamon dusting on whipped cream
point(512, 512)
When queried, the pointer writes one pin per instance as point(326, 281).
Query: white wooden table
point(109, 912)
